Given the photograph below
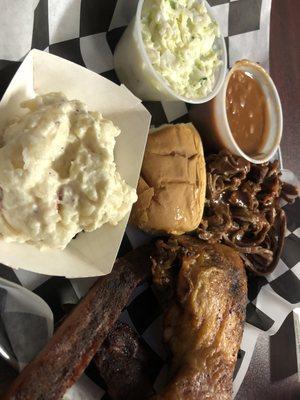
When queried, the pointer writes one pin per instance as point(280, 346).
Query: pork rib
point(81, 334)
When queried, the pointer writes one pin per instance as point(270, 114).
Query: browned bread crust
point(171, 188)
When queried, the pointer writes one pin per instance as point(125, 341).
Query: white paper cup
point(135, 70)
point(212, 123)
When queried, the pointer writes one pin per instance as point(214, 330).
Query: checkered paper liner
point(86, 32)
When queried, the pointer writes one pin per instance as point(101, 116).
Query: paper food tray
point(93, 253)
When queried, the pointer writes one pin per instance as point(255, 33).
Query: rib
point(81, 334)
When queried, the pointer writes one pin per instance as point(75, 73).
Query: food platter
point(145, 297)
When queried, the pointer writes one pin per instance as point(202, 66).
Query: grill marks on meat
point(242, 209)
point(123, 363)
point(204, 324)
point(82, 332)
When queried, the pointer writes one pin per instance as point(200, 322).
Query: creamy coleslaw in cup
point(179, 37)
point(172, 50)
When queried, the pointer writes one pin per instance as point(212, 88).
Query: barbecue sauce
point(247, 112)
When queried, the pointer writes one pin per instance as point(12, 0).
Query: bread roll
point(171, 188)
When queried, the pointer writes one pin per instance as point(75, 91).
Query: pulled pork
point(242, 209)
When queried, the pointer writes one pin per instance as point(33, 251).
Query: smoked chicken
point(204, 324)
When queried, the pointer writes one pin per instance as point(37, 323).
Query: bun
point(171, 188)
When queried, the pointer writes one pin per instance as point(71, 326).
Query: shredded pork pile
point(242, 209)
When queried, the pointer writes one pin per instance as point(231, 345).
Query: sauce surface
point(247, 112)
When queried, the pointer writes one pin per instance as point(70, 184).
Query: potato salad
point(179, 38)
point(58, 175)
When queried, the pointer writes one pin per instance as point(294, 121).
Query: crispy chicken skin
point(204, 325)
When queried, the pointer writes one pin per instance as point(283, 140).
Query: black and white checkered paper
point(86, 32)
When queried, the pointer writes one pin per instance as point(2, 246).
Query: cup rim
point(276, 99)
point(167, 88)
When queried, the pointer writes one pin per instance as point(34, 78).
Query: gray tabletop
point(272, 373)
point(272, 370)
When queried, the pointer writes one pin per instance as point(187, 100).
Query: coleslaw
point(179, 37)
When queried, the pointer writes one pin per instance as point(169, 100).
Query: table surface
point(284, 65)
point(269, 375)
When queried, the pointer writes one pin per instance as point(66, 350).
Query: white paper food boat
point(93, 253)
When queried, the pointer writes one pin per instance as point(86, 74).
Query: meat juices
point(247, 112)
